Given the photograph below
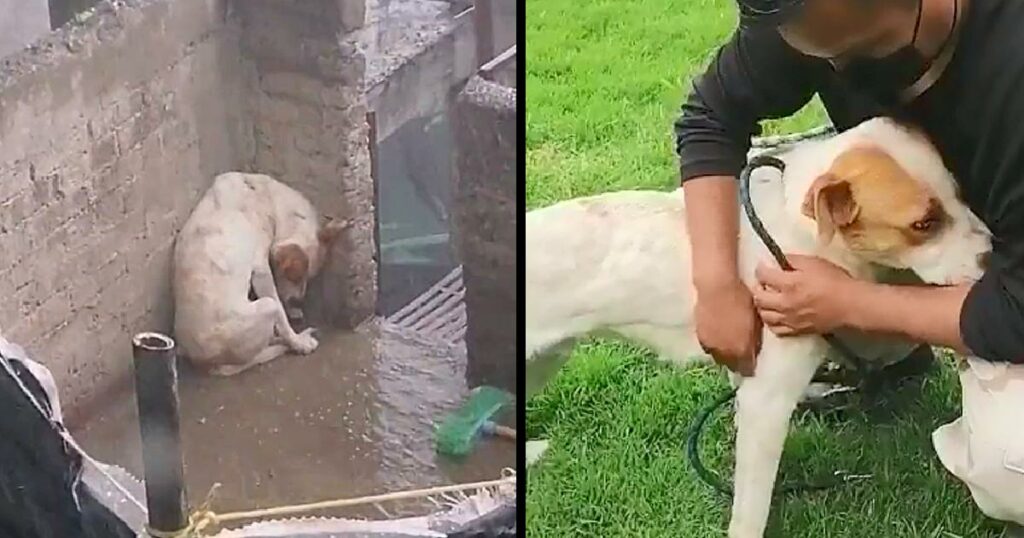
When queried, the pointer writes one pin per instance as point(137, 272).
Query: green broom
point(460, 430)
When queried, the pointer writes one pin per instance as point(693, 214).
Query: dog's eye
point(924, 225)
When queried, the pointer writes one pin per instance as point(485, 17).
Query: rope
point(203, 518)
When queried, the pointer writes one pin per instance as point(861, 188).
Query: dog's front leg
point(263, 285)
point(263, 282)
point(764, 405)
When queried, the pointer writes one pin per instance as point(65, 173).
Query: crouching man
point(952, 68)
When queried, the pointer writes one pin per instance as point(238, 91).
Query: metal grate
point(438, 313)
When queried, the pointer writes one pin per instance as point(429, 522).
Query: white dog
point(621, 262)
point(249, 232)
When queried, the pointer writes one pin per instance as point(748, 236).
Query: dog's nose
point(983, 259)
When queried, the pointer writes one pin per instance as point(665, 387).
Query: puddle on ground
point(354, 418)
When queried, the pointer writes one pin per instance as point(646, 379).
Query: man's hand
point(807, 300)
point(727, 324)
point(728, 327)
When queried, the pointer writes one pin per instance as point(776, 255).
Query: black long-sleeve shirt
point(974, 114)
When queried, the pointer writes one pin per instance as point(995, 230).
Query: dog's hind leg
point(268, 354)
point(543, 366)
point(253, 337)
point(764, 405)
point(540, 368)
point(266, 290)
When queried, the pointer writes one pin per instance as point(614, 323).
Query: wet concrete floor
point(354, 418)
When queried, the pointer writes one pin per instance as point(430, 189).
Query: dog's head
point(295, 262)
point(891, 201)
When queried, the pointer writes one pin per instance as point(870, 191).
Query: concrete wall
point(113, 127)
point(22, 22)
point(486, 213)
point(504, 14)
point(311, 130)
point(421, 87)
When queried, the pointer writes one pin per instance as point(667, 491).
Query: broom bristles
point(456, 434)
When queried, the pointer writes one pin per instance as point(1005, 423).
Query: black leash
point(852, 359)
point(760, 161)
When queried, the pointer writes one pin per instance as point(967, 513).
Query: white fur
point(621, 262)
point(224, 250)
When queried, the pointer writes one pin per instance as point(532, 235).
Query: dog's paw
point(534, 450)
point(305, 343)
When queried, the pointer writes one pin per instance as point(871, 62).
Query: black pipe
point(156, 392)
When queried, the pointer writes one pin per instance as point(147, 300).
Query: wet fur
point(620, 262)
point(249, 233)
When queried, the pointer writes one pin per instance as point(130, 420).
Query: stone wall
point(311, 129)
point(113, 127)
point(486, 213)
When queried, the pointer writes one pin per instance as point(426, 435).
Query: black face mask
point(887, 77)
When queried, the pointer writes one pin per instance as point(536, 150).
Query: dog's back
point(214, 253)
point(609, 261)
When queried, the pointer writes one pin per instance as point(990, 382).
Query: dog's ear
point(291, 262)
point(330, 230)
point(830, 203)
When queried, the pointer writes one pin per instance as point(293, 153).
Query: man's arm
point(712, 216)
point(985, 319)
point(754, 76)
point(928, 314)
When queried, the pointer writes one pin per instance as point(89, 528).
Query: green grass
point(605, 79)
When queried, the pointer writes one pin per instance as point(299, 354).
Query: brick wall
point(112, 128)
point(485, 228)
point(110, 132)
point(311, 130)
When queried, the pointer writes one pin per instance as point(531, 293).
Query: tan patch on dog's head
point(873, 203)
point(291, 262)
